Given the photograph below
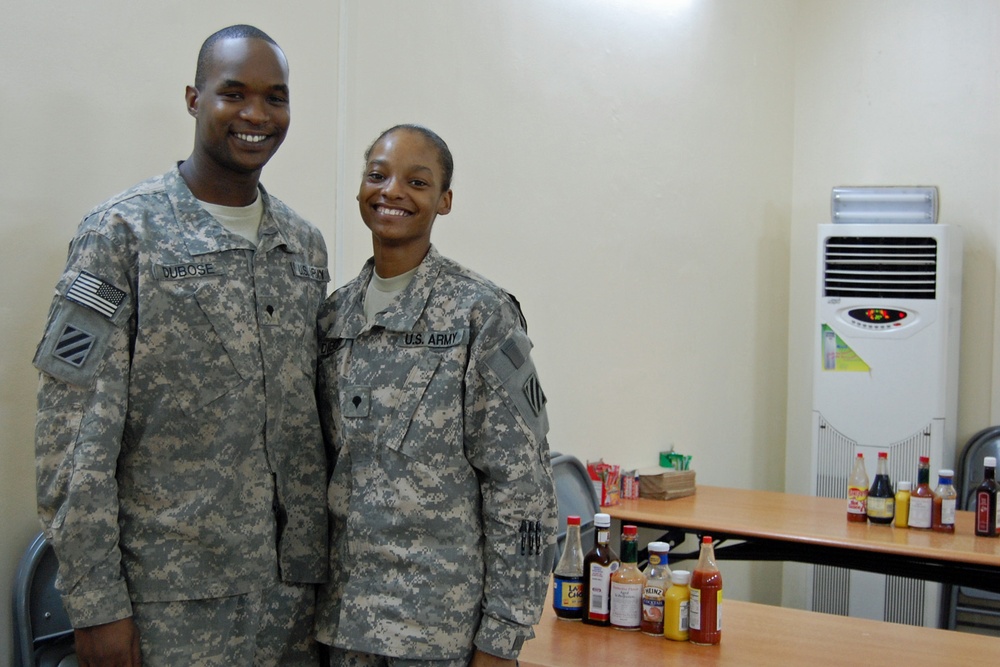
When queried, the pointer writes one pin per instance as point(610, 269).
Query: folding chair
point(43, 636)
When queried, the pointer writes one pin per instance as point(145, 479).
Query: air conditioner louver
point(880, 266)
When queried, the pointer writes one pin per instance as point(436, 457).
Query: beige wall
point(644, 175)
point(898, 92)
point(93, 101)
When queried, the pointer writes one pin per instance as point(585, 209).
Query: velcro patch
point(533, 392)
point(317, 273)
point(432, 338)
point(73, 345)
point(90, 291)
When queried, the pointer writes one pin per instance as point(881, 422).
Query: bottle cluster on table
point(919, 506)
point(601, 588)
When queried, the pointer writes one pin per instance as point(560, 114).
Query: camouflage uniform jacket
point(442, 503)
point(177, 437)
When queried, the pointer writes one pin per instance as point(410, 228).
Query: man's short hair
point(240, 31)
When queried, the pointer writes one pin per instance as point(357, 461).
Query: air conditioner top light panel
point(884, 205)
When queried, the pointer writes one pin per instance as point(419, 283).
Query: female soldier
point(441, 498)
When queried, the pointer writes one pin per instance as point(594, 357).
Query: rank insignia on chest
point(355, 401)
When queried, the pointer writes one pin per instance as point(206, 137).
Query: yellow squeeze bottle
point(902, 505)
point(675, 606)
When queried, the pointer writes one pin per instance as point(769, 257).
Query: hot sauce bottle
point(922, 497)
point(706, 598)
point(598, 566)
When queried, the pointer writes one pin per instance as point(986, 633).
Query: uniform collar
point(405, 313)
point(204, 234)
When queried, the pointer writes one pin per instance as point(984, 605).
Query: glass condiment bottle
point(857, 491)
point(922, 497)
point(902, 505)
point(986, 500)
point(598, 566)
point(567, 578)
point(705, 610)
point(627, 584)
point(657, 575)
point(675, 606)
point(945, 500)
point(881, 500)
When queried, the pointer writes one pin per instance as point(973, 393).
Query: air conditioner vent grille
point(880, 266)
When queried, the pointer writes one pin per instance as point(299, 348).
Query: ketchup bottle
point(705, 608)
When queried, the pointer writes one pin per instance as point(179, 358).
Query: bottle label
point(626, 605)
point(881, 508)
point(600, 583)
point(920, 512)
point(694, 610)
point(567, 593)
point(948, 511)
point(683, 620)
point(652, 608)
point(983, 512)
point(856, 499)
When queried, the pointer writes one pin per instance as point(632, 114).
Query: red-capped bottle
point(567, 578)
point(857, 491)
point(881, 504)
point(922, 497)
point(705, 608)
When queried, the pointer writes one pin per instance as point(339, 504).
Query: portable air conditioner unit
point(885, 379)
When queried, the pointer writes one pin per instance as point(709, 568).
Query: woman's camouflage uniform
point(442, 505)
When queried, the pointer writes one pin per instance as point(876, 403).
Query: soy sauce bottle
point(881, 499)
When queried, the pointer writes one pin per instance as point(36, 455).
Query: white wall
point(644, 175)
point(93, 101)
point(624, 168)
point(897, 92)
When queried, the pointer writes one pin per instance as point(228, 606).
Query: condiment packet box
point(607, 481)
point(665, 484)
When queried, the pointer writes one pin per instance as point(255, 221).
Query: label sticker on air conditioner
point(838, 355)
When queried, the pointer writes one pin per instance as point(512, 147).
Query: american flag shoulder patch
point(73, 345)
point(90, 291)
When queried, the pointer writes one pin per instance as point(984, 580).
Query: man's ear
point(191, 98)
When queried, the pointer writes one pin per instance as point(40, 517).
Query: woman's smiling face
point(401, 192)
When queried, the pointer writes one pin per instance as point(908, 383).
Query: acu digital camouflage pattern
point(177, 437)
point(265, 628)
point(440, 462)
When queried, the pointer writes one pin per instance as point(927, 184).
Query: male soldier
point(181, 473)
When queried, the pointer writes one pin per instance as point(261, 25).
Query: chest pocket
point(196, 344)
point(410, 395)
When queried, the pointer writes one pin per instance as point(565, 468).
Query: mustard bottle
point(675, 606)
point(902, 504)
